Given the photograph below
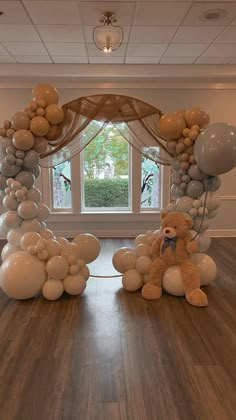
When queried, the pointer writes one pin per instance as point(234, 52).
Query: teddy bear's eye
point(175, 227)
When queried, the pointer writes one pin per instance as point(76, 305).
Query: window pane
point(150, 184)
point(61, 176)
point(106, 171)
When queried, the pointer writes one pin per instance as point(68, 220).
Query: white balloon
point(85, 272)
point(30, 225)
point(132, 280)
point(203, 240)
point(89, 247)
point(9, 249)
point(172, 281)
point(52, 289)
point(53, 248)
point(74, 284)
point(70, 250)
point(212, 201)
point(128, 260)
point(116, 259)
point(43, 212)
point(184, 204)
point(206, 266)
point(3, 228)
point(27, 209)
point(10, 203)
point(29, 239)
point(143, 249)
point(11, 219)
point(22, 275)
point(57, 267)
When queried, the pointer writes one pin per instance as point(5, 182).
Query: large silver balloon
point(215, 148)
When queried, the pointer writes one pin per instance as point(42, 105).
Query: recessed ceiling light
point(214, 14)
point(1, 13)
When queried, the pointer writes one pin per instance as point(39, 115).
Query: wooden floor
point(111, 355)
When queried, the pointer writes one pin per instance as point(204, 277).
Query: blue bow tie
point(168, 242)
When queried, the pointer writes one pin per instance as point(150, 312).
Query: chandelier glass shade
point(108, 37)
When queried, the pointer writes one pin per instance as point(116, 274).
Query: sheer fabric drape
point(86, 117)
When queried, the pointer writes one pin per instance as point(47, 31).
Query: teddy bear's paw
point(197, 298)
point(150, 291)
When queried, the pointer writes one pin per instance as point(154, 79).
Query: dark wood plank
point(112, 355)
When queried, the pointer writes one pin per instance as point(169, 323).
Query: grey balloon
point(215, 148)
point(196, 173)
point(194, 189)
point(8, 170)
point(26, 178)
point(3, 184)
point(175, 164)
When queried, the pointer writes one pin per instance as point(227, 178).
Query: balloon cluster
point(33, 258)
point(200, 153)
point(134, 264)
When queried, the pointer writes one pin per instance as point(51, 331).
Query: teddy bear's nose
point(167, 230)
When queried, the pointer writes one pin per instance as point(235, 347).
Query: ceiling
point(155, 32)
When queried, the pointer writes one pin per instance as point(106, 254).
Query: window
point(103, 178)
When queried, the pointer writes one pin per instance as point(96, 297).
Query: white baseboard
point(223, 233)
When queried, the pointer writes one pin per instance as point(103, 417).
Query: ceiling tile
point(148, 34)
point(196, 15)
point(39, 59)
point(178, 60)
point(88, 31)
point(6, 59)
point(61, 33)
point(18, 33)
point(66, 48)
point(221, 50)
point(93, 51)
point(106, 60)
point(185, 50)
point(53, 12)
point(69, 59)
point(92, 11)
point(228, 36)
point(142, 60)
point(145, 50)
point(197, 34)
point(212, 60)
point(25, 48)
point(14, 12)
point(164, 13)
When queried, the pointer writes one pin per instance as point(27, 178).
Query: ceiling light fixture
point(108, 37)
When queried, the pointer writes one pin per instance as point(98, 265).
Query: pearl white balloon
point(206, 266)
point(184, 204)
point(9, 249)
point(74, 284)
point(27, 209)
point(14, 236)
point(172, 281)
point(89, 247)
point(143, 264)
point(57, 267)
point(132, 280)
point(128, 260)
point(212, 202)
point(43, 212)
point(52, 289)
point(22, 275)
point(29, 239)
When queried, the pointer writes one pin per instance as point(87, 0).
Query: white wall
point(220, 103)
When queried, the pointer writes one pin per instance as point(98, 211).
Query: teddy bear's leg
point(191, 279)
point(152, 289)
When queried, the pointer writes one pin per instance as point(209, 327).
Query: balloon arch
point(34, 259)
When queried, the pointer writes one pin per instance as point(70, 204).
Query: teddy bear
point(173, 246)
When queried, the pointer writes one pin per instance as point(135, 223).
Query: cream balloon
point(53, 248)
point(29, 239)
point(128, 260)
point(33, 194)
point(43, 212)
point(20, 120)
point(39, 126)
point(132, 280)
point(22, 275)
point(46, 234)
point(23, 139)
point(116, 259)
point(40, 144)
point(143, 264)
point(52, 289)
point(54, 114)
point(206, 266)
point(89, 247)
point(74, 284)
point(30, 225)
point(46, 92)
point(70, 250)
point(172, 281)
point(85, 272)
point(57, 267)
point(9, 249)
point(143, 249)
point(27, 209)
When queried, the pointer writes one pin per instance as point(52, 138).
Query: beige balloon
point(46, 92)
point(39, 126)
point(171, 126)
point(40, 144)
point(195, 116)
point(23, 139)
point(20, 120)
point(54, 114)
point(54, 132)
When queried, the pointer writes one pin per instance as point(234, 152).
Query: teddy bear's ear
point(189, 221)
point(163, 214)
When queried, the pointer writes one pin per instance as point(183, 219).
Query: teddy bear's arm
point(191, 244)
point(156, 246)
